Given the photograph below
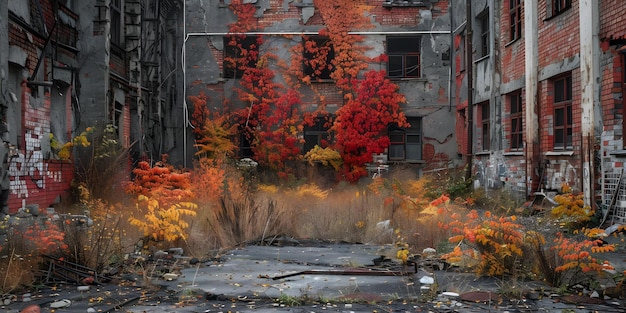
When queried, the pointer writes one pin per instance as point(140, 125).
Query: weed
point(287, 300)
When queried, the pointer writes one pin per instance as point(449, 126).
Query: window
point(117, 121)
point(406, 143)
point(245, 145)
point(318, 56)
point(404, 56)
point(483, 24)
point(116, 22)
point(563, 112)
point(555, 7)
point(515, 14)
point(316, 134)
point(485, 125)
point(517, 131)
point(462, 49)
point(240, 52)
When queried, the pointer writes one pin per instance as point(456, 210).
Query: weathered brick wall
point(558, 36)
point(36, 179)
point(513, 52)
point(498, 171)
point(613, 20)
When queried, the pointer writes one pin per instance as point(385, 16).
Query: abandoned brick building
point(532, 100)
point(546, 94)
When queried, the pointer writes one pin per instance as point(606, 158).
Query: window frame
point(405, 145)
point(560, 6)
point(398, 53)
point(320, 130)
point(516, 118)
point(485, 125)
point(515, 19)
point(234, 51)
point(485, 30)
point(563, 123)
point(116, 13)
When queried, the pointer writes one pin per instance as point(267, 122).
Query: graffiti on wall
point(29, 165)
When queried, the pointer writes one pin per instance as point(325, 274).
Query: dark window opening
point(515, 13)
point(404, 56)
point(316, 134)
point(240, 52)
point(116, 22)
point(318, 57)
point(517, 114)
point(485, 125)
point(245, 145)
point(563, 113)
point(483, 23)
point(559, 6)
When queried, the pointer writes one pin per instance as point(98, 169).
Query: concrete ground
point(307, 278)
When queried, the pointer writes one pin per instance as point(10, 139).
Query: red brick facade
point(560, 53)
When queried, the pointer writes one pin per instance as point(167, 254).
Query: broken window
point(485, 123)
point(404, 56)
point(515, 14)
point(406, 143)
point(318, 57)
point(563, 112)
point(240, 52)
point(516, 116)
point(483, 24)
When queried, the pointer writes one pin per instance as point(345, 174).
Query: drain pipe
point(470, 88)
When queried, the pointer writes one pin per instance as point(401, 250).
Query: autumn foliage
point(270, 113)
point(161, 182)
point(362, 122)
point(498, 240)
point(47, 237)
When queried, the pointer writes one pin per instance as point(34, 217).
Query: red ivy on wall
point(362, 122)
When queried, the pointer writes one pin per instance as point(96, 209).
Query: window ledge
point(482, 153)
point(485, 57)
point(512, 41)
point(618, 153)
point(560, 153)
point(321, 80)
point(514, 153)
point(403, 3)
point(407, 79)
point(406, 161)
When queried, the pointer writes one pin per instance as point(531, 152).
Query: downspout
point(451, 65)
point(470, 88)
point(183, 60)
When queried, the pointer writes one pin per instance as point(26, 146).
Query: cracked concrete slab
point(257, 278)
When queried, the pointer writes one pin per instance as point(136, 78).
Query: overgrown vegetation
point(222, 202)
